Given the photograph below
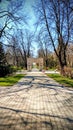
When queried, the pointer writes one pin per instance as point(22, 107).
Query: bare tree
point(14, 49)
point(10, 16)
point(23, 49)
point(25, 45)
point(2, 55)
point(29, 36)
point(57, 17)
point(43, 46)
point(20, 43)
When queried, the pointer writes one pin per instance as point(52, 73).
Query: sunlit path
point(36, 103)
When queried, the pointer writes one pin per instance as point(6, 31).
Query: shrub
point(68, 72)
point(14, 68)
point(7, 69)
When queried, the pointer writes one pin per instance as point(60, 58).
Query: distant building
point(34, 62)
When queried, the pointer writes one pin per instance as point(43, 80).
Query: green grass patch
point(10, 80)
point(52, 69)
point(62, 80)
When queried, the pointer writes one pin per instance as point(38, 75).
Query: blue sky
point(32, 20)
point(28, 11)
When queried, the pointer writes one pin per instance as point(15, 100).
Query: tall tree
point(2, 55)
point(21, 46)
point(10, 16)
point(44, 46)
point(26, 39)
point(57, 18)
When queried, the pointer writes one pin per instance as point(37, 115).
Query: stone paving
point(36, 103)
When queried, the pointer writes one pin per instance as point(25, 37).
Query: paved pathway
point(36, 103)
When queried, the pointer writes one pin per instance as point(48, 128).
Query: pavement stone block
point(36, 102)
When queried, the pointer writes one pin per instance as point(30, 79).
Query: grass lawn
point(62, 80)
point(10, 80)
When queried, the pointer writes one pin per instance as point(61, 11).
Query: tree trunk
point(62, 70)
point(25, 60)
point(62, 61)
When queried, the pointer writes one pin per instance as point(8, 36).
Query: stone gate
point(37, 61)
